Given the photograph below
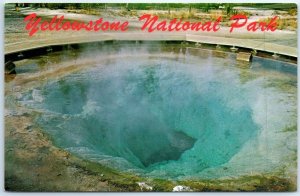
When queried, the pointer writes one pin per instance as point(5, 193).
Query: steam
point(157, 110)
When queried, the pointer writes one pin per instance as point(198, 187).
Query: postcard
point(150, 97)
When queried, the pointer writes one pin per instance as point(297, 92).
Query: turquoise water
point(161, 117)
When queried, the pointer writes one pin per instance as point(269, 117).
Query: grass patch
point(290, 128)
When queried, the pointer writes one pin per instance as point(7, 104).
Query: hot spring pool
point(167, 115)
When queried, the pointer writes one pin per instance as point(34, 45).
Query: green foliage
point(290, 128)
point(166, 6)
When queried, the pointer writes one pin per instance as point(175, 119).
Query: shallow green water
point(159, 117)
